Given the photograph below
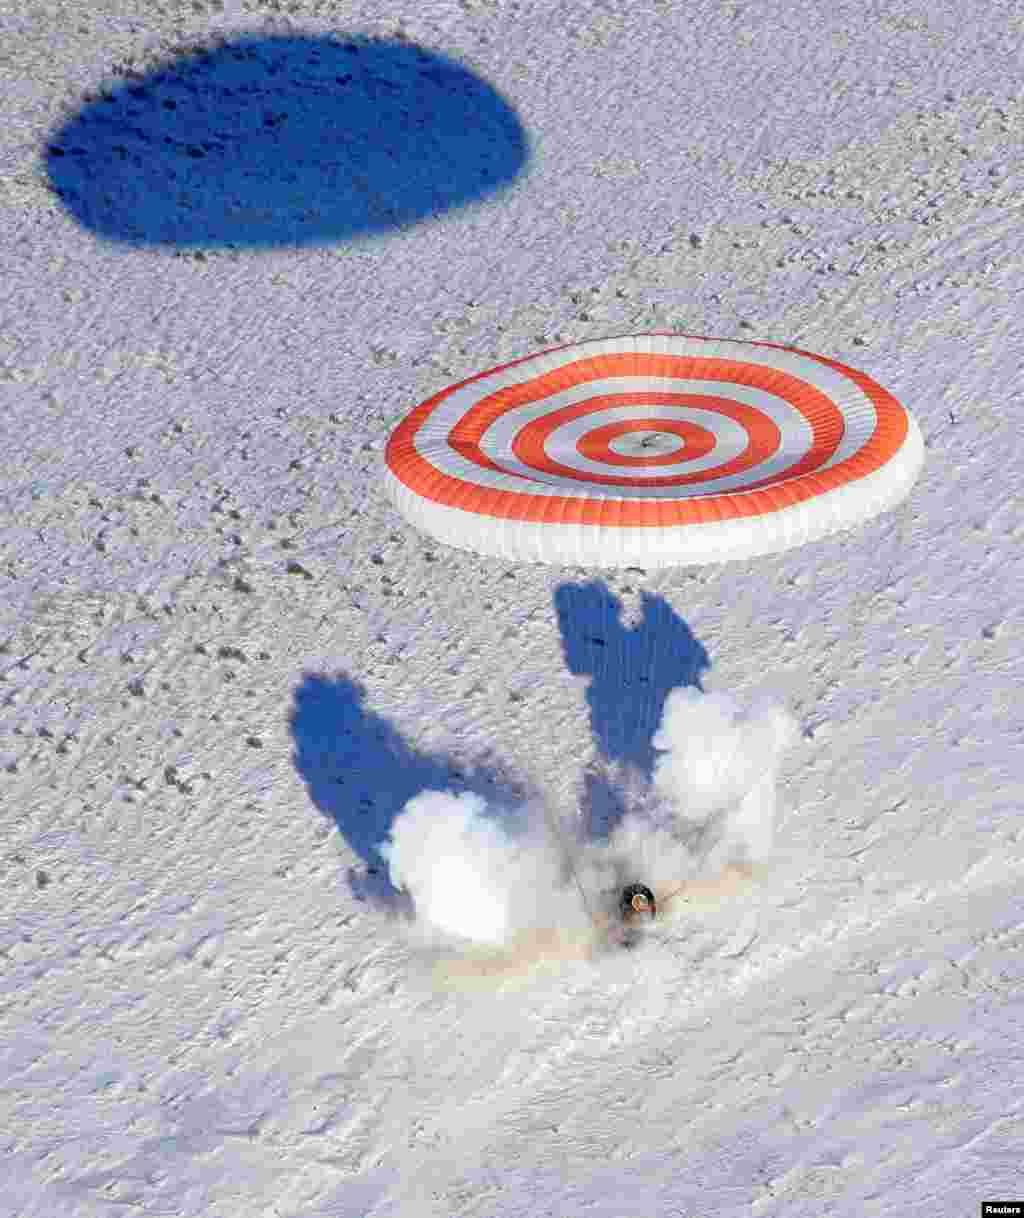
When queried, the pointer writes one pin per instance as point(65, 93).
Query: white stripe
point(731, 440)
point(597, 546)
point(857, 409)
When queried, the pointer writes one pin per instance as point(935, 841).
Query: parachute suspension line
point(870, 592)
point(674, 893)
point(553, 826)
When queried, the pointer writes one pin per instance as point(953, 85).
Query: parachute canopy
point(652, 450)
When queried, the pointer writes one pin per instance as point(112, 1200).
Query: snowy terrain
point(227, 665)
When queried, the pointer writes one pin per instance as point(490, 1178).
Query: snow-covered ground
point(226, 664)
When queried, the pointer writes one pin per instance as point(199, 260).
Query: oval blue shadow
point(285, 141)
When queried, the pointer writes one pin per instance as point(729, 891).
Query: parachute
point(652, 450)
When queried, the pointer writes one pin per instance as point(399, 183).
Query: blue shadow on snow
point(360, 772)
point(271, 141)
point(632, 670)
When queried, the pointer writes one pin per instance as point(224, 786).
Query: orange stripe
point(596, 444)
point(763, 435)
point(772, 495)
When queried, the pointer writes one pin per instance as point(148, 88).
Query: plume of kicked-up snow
point(711, 803)
point(712, 800)
point(469, 875)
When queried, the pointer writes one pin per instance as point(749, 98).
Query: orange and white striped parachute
point(652, 450)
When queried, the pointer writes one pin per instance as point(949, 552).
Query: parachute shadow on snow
point(269, 141)
point(360, 772)
point(632, 669)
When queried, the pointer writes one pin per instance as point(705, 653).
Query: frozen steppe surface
point(227, 664)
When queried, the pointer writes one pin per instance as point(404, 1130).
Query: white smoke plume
point(711, 803)
point(467, 873)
